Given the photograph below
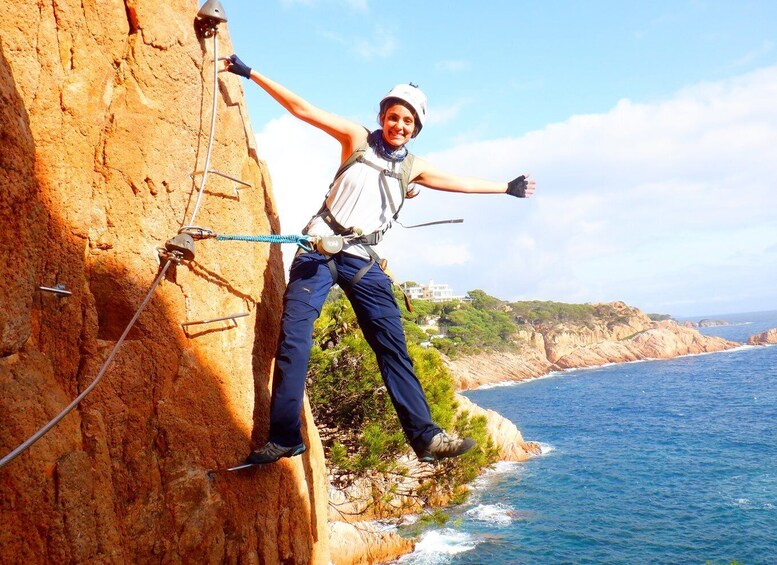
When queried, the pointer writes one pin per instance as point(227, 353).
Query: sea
point(665, 461)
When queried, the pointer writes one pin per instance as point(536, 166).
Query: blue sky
point(650, 128)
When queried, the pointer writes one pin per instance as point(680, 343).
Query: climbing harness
point(408, 190)
point(327, 245)
point(354, 235)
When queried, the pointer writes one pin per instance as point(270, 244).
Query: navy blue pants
point(378, 314)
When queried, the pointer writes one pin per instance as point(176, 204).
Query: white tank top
point(358, 199)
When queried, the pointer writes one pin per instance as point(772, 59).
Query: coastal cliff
point(628, 336)
point(507, 437)
point(104, 116)
point(764, 338)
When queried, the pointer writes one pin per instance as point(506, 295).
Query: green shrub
point(357, 422)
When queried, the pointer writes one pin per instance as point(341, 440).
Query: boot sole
point(433, 458)
point(293, 452)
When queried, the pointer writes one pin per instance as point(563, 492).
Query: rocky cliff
point(104, 116)
point(628, 336)
point(508, 439)
point(366, 542)
point(764, 338)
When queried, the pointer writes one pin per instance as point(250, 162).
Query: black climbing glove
point(517, 187)
point(238, 67)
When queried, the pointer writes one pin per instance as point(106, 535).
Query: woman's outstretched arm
point(426, 174)
point(347, 132)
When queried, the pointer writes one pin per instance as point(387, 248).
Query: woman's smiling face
point(398, 124)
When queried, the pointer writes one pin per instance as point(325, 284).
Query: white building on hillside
point(433, 292)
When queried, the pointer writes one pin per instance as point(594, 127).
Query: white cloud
point(302, 161)
point(754, 55)
point(446, 114)
point(669, 206)
point(380, 44)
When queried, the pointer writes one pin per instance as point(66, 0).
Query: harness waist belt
point(370, 239)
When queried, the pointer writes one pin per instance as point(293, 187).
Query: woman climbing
point(364, 199)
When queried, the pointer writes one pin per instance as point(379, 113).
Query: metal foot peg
point(243, 183)
point(232, 318)
point(58, 289)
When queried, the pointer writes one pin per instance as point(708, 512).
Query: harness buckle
point(329, 244)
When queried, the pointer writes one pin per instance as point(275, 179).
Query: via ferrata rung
point(58, 289)
point(231, 318)
point(226, 176)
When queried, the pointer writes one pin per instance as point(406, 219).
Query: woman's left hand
point(236, 66)
point(521, 187)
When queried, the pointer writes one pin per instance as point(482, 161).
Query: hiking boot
point(443, 445)
point(271, 452)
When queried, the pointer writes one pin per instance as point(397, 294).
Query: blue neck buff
point(383, 149)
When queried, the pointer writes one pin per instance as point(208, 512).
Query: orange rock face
point(568, 346)
point(508, 439)
point(562, 339)
point(105, 113)
point(764, 338)
point(365, 543)
point(664, 341)
point(494, 367)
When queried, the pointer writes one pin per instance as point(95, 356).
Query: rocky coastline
point(356, 535)
point(540, 351)
point(704, 323)
point(535, 352)
point(765, 338)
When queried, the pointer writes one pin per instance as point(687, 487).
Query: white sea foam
point(503, 467)
point(747, 504)
point(436, 546)
point(385, 525)
point(496, 472)
point(409, 519)
point(496, 514)
point(500, 384)
point(546, 448)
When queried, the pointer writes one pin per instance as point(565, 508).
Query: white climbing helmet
point(414, 96)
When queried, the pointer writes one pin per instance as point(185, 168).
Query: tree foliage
point(358, 425)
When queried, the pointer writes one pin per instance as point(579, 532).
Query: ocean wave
point(409, 519)
point(495, 473)
point(385, 525)
point(545, 448)
point(436, 547)
point(500, 384)
point(747, 504)
point(504, 467)
point(496, 514)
